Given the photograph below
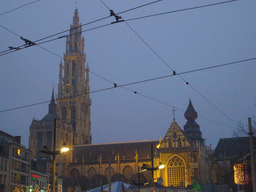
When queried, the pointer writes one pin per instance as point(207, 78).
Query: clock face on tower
point(68, 90)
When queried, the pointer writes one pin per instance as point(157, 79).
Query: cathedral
point(182, 151)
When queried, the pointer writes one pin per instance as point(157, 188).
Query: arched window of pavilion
point(107, 172)
point(128, 172)
point(91, 172)
point(176, 172)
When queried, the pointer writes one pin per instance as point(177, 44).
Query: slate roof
point(126, 150)
point(50, 117)
point(232, 148)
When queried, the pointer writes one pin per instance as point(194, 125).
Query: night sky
point(190, 39)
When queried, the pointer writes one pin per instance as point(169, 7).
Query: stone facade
point(73, 101)
point(182, 151)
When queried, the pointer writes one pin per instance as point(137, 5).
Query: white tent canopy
point(115, 187)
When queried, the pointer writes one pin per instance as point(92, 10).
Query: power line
point(105, 79)
point(135, 92)
point(19, 7)
point(181, 10)
point(169, 65)
point(22, 47)
point(143, 17)
point(190, 71)
point(138, 82)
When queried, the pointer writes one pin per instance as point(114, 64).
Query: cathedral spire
point(52, 105)
point(76, 18)
point(75, 41)
point(73, 101)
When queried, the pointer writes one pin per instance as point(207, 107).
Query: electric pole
point(252, 156)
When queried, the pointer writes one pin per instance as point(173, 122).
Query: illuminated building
point(231, 163)
point(15, 163)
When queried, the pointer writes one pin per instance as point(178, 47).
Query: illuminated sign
point(36, 177)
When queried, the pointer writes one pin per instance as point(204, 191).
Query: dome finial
point(190, 113)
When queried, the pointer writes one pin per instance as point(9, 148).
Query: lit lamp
point(145, 168)
point(152, 169)
point(54, 153)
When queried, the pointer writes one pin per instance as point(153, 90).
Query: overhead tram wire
point(59, 56)
point(105, 89)
point(19, 7)
point(22, 47)
point(174, 72)
point(181, 10)
point(150, 98)
point(143, 17)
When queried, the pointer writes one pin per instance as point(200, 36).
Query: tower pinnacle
point(190, 113)
point(52, 105)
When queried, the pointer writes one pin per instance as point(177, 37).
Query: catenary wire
point(170, 66)
point(143, 95)
point(18, 7)
point(186, 9)
point(158, 56)
point(21, 47)
point(57, 55)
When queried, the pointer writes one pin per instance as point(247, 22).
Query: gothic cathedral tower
point(73, 101)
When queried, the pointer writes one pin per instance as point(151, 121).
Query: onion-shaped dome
point(190, 113)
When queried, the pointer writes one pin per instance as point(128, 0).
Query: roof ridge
point(123, 142)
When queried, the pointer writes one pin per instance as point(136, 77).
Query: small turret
point(192, 129)
point(190, 113)
point(52, 105)
point(60, 79)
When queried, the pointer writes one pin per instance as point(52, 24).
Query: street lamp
point(54, 153)
point(145, 168)
point(152, 168)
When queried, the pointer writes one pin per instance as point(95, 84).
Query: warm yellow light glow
point(64, 149)
point(18, 151)
point(161, 166)
point(238, 174)
point(158, 146)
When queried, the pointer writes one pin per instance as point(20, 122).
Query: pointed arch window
point(74, 84)
point(91, 172)
point(64, 113)
point(174, 134)
point(216, 174)
point(107, 172)
point(170, 142)
point(67, 67)
point(176, 172)
point(74, 172)
point(179, 143)
point(73, 67)
point(128, 172)
point(73, 118)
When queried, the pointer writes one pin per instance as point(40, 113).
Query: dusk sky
point(189, 38)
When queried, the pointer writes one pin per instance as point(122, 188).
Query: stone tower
point(73, 101)
point(192, 129)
